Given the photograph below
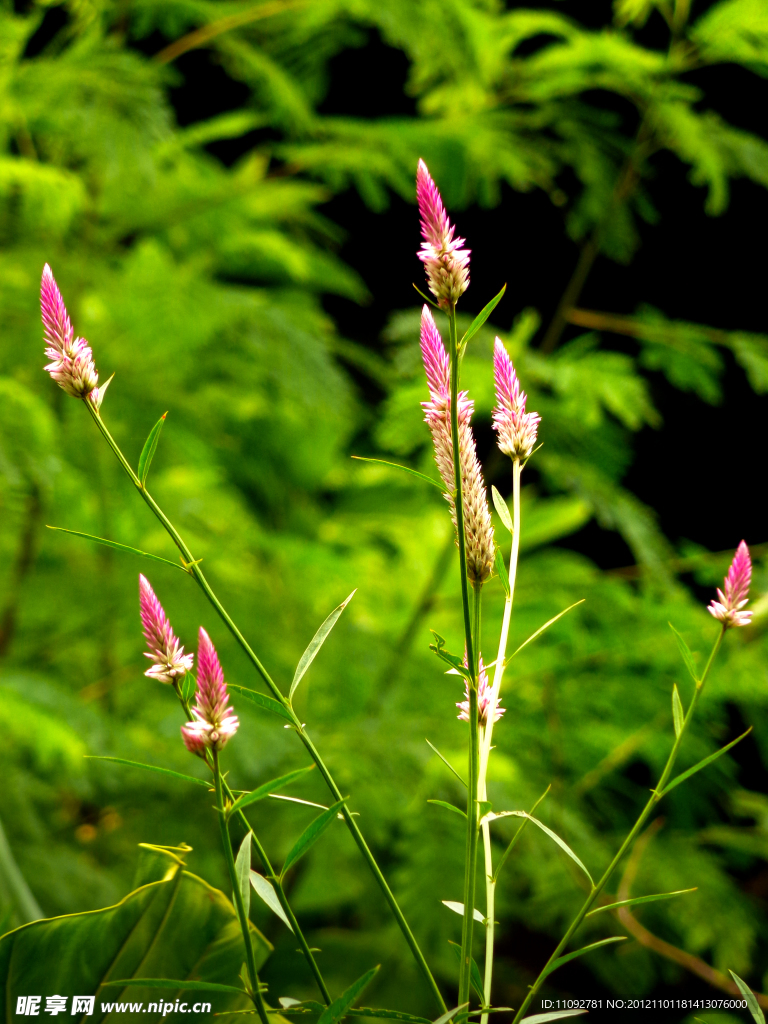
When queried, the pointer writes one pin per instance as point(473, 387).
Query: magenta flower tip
point(71, 365)
point(170, 663)
point(516, 428)
point(728, 609)
point(445, 261)
point(215, 723)
point(484, 699)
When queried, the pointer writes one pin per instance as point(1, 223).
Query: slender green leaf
point(448, 807)
point(149, 449)
point(541, 1018)
point(188, 686)
point(369, 1011)
point(427, 298)
point(414, 472)
point(704, 763)
point(176, 984)
point(451, 1013)
point(503, 509)
point(579, 952)
point(546, 625)
point(640, 899)
point(501, 569)
point(266, 892)
point(517, 835)
point(268, 787)
point(552, 835)
point(447, 763)
point(152, 768)
point(310, 835)
point(263, 701)
point(474, 973)
point(678, 715)
point(297, 800)
point(332, 1014)
point(481, 317)
point(242, 871)
point(752, 1004)
point(685, 653)
point(119, 547)
point(458, 908)
point(316, 643)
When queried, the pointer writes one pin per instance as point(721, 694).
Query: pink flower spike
point(170, 661)
point(517, 429)
point(71, 365)
point(483, 699)
point(478, 529)
point(728, 609)
point(215, 723)
point(446, 263)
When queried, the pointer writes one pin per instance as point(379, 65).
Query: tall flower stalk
point(447, 267)
point(192, 567)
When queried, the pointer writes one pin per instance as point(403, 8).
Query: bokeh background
point(225, 191)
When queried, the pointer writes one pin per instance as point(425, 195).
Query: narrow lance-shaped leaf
point(316, 643)
point(149, 449)
point(310, 835)
point(176, 984)
point(501, 569)
point(242, 872)
point(516, 836)
point(678, 715)
point(481, 317)
point(266, 892)
point(268, 787)
point(685, 653)
point(458, 908)
point(448, 807)
point(546, 625)
point(119, 547)
point(542, 1018)
point(447, 763)
point(552, 835)
point(333, 1013)
point(262, 700)
point(503, 509)
point(579, 952)
point(474, 973)
point(414, 472)
point(640, 899)
point(704, 763)
point(151, 768)
point(752, 1004)
point(450, 1014)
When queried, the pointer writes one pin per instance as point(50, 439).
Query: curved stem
point(487, 734)
point(655, 797)
point(258, 999)
point(193, 568)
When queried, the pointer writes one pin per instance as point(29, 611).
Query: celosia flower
point(484, 698)
point(728, 608)
point(478, 530)
point(215, 723)
point(446, 263)
point(516, 428)
point(71, 358)
point(170, 661)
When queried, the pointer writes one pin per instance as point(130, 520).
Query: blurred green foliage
point(200, 286)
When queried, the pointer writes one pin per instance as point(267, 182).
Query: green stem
point(194, 570)
point(274, 878)
point(470, 865)
point(485, 747)
point(257, 997)
point(655, 797)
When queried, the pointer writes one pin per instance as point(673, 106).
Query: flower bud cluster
point(484, 699)
point(71, 365)
point(478, 529)
point(516, 428)
point(214, 722)
point(170, 662)
point(728, 609)
point(446, 263)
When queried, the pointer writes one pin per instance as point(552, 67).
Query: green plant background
point(200, 286)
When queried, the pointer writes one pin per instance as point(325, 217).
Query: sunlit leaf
point(482, 316)
point(268, 787)
point(262, 700)
point(552, 835)
point(752, 1004)
point(447, 763)
point(501, 569)
point(242, 871)
point(541, 1018)
point(414, 472)
point(266, 891)
point(458, 908)
point(149, 449)
point(678, 715)
point(703, 764)
point(546, 625)
point(119, 547)
point(636, 900)
point(316, 643)
point(448, 807)
point(501, 507)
